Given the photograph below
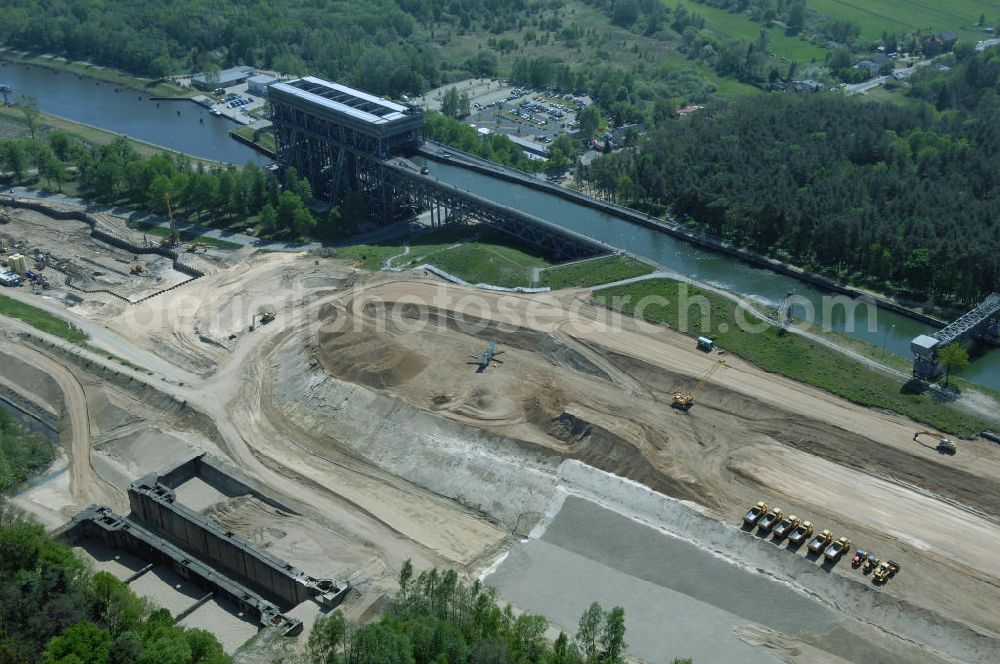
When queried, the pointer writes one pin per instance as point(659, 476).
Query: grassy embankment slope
point(477, 257)
point(41, 320)
point(594, 272)
point(797, 357)
point(493, 258)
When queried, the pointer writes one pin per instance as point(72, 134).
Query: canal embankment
point(176, 125)
point(443, 153)
point(90, 70)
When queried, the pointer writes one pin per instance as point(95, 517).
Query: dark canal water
point(178, 125)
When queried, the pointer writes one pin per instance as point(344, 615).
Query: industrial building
point(226, 78)
point(532, 149)
point(258, 85)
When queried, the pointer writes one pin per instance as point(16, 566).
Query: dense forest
point(380, 45)
point(904, 198)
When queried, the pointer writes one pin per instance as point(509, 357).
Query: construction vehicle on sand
point(944, 445)
point(885, 571)
point(838, 549)
point(859, 557)
point(800, 533)
point(751, 518)
point(137, 269)
point(265, 317)
point(871, 562)
point(820, 542)
point(785, 526)
point(685, 401)
point(768, 520)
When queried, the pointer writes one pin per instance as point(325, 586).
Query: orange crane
point(685, 401)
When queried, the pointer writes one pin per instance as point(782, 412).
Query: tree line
point(436, 617)
point(903, 198)
point(220, 195)
point(383, 46)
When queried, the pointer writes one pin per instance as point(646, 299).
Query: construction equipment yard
point(563, 474)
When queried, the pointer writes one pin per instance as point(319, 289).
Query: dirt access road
point(383, 433)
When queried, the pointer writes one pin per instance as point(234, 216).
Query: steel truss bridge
point(981, 321)
point(344, 140)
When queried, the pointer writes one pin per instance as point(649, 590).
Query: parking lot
point(536, 114)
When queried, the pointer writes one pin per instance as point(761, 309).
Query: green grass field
point(593, 272)
point(265, 138)
point(475, 256)
point(41, 320)
point(793, 355)
point(738, 26)
point(901, 16)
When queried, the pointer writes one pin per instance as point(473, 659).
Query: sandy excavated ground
point(358, 408)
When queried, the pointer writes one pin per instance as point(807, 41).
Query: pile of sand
point(366, 358)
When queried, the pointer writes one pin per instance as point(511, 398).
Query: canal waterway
point(187, 127)
point(177, 125)
point(888, 330)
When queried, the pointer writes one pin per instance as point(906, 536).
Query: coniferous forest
point(901, 197)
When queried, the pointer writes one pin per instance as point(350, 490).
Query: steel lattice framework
point(335, 137)
point(344, 140)
point(449, 204)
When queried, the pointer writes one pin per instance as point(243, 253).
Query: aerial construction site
point(349, 430)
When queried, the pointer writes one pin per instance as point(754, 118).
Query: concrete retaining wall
point(107, 238)
point(155, 506)
point(100, 523)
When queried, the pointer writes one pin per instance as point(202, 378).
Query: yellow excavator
point(264, 317)
point(685, 401)
point(945, 445)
